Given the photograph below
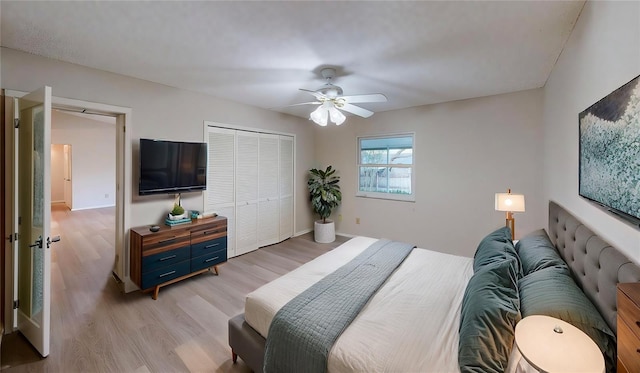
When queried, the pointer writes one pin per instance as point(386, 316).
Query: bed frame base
point(246, 343)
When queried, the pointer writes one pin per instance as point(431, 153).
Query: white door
point(268, 203)
point(34, 209)
point(67, 177)
point(246, 173)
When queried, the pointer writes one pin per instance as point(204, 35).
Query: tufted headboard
point(597, 266)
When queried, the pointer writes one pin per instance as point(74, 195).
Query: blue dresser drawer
point(209, 260)
point(164, 259)
point(164, 274)
point(207, 247)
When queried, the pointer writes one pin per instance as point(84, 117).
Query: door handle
point(52, 240)
point(37, 244)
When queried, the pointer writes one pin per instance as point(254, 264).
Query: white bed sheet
point(410, 325)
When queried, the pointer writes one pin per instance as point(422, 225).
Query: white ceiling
point(260, 53)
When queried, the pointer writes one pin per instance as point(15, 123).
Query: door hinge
point(19, 220)
point(16, 122)
point(12, 237)
point(16, 304)
point(124, 128)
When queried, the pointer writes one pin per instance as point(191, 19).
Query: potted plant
point(177, 213)
point(325, 195)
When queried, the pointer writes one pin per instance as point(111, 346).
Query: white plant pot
point(324, 233)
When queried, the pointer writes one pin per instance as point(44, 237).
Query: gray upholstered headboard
point(597, 266)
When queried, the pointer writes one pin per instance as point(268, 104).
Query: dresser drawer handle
point(168, 240)
point(211, 259)
point(167, 257)
point(167, 274)
point(210, 246)
point(210, 232)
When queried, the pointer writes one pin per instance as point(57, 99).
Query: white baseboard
point(346, 234)
point(93, 207)
point(300, 233)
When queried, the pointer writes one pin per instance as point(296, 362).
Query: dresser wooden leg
point(155, 292)
point(234, 357)
point(215, 269)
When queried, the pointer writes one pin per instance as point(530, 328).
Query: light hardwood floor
point(96, 328)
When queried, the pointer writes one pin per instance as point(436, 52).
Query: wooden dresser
point(629, 327)
point(175, 253)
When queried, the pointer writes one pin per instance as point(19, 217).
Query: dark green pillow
point(490, 311)
point(496, 247)
point(553, 292)
point(537, 252)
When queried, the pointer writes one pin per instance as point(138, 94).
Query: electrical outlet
point(106, 195)
point(357, 220)
point(340, 217)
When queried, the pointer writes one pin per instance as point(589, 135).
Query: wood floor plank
point(96, 328)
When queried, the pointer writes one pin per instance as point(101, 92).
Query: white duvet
point(410, 325)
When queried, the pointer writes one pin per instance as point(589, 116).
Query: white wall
point(93, 159)
point(57, 173)
point(602, 53)
point(465, 152)
point(160, 112)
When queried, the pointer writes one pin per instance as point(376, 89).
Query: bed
point(430, 315)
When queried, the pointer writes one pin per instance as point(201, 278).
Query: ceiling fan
point(331, 101)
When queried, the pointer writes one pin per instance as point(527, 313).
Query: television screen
point(610, 151)
point(172, 167)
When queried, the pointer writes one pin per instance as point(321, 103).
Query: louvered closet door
point(286, 187)
point(268, 205)
point(220, 193)
point(247, 152)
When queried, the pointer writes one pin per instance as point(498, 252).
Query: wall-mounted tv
point(610, 151)
point(172, 167)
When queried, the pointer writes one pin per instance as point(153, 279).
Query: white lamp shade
point(510, 202)
point(320, 115)
point(336, 116)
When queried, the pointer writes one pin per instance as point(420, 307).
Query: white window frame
point(389, 196)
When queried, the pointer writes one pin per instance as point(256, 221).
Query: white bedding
point(410, 325)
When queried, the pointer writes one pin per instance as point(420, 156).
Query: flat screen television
point(172, 167)
point(610, 152)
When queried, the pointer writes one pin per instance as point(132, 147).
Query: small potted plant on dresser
point(325, 195)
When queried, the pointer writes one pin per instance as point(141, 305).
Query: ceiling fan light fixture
point(336, 116)
point(320, 116)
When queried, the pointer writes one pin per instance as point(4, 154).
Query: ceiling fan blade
point(357, 110)
point(374, 97)
point(317, 95)
point(302, 103)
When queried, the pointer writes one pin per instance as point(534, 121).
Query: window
point(385, 167)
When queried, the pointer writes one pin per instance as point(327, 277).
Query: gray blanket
point(304, 330)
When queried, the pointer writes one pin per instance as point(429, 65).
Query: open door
point(34, 210)
point(67, 177)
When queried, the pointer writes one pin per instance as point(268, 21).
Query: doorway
point(122, 193)
point(61, 187)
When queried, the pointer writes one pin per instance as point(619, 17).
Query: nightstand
point(553, 345)
point(628, 327)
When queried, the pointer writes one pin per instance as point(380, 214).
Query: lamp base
point(511, 224)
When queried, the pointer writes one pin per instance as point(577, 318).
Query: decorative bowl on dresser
point(628, 327)
point(175, 253)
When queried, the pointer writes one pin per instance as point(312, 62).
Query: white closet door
point(268, 205)
point(286, 187)
point(246, 173)
point(220, 193)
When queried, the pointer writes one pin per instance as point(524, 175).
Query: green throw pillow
point(537, 252)
point(553, 292)
point(497, 247)
point(490, 311)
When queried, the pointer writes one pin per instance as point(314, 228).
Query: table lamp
point(510, 203)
